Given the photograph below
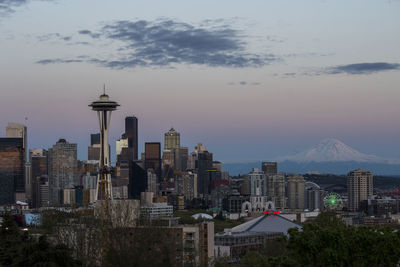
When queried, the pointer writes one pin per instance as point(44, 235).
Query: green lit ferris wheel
point(332, 201)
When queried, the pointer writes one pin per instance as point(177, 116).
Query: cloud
point(50, 36)
point(163, 43)
point(8, 6)
point(58, 60)
point(363, 68)
point(66, 38)
point(89, 33)
point(81, 43)
point(245, 83)
point(289, 74)
point(352, 69)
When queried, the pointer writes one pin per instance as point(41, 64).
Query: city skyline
point(251, 82)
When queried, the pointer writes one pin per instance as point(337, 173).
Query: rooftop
point(266, 224)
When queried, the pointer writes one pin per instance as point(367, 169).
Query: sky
point(251, 80)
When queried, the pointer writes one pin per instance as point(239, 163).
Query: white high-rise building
point(119, 144)
point(258, 183)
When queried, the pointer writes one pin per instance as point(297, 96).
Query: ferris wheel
point(333, 201)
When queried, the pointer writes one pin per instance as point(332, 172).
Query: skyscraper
point(94, 139)
point(172, 139)
point(295, 192)
point(184, 155)
point(359, 187)
point(120, 144)
point(269, 168)
point(204, 164)
point(258, 183)
point(38, 159)
point(172, 143)
point(62, 168)
point(276, 190)
point(15, 130)
point(94, 148)
point(152, 156)
point(137, 180)
point(131, 133)
point(12, 164)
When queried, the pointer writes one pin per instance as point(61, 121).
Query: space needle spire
point(104, 106)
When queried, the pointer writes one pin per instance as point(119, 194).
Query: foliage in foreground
point(17, 248)
point(327, 241)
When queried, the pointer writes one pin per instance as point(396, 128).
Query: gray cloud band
point(8, 6)
point(166, 42)
point(363, 68)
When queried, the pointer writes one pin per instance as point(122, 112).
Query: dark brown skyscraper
point(12, 164)
point(131, 132)
point(269, 168)
point(153, 157)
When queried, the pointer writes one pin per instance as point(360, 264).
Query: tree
point(17, 248)
point(327, 241)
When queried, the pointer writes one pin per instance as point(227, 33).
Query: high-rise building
point(12, 165)
point(192, 158)
point(172, 139)
point(183, 158)
point(269, 168)
point(152, 181)
point(94, 148)
point(359, 187)
point(94, 139)
point(172, 143)
point(94, 152)
point(313, 199)
point(120, 144)
point(204, 164)
point(258, 183)
point(28, 182)
point(62, 168)
point(131, 133)
point(152, 156)
point(295, 192)
point(38, 159)
point(168, 159)
point(137, 180)
point(276, 190)
point(217, 165)
point(189, 187)
point(15, 130)
point(122, 165)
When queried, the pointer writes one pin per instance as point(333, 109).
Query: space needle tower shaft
point(104, 106)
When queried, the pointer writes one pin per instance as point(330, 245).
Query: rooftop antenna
point(104, 88)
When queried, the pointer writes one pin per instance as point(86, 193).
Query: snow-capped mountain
point(332, 150)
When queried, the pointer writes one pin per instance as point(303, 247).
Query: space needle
point(104, 106)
